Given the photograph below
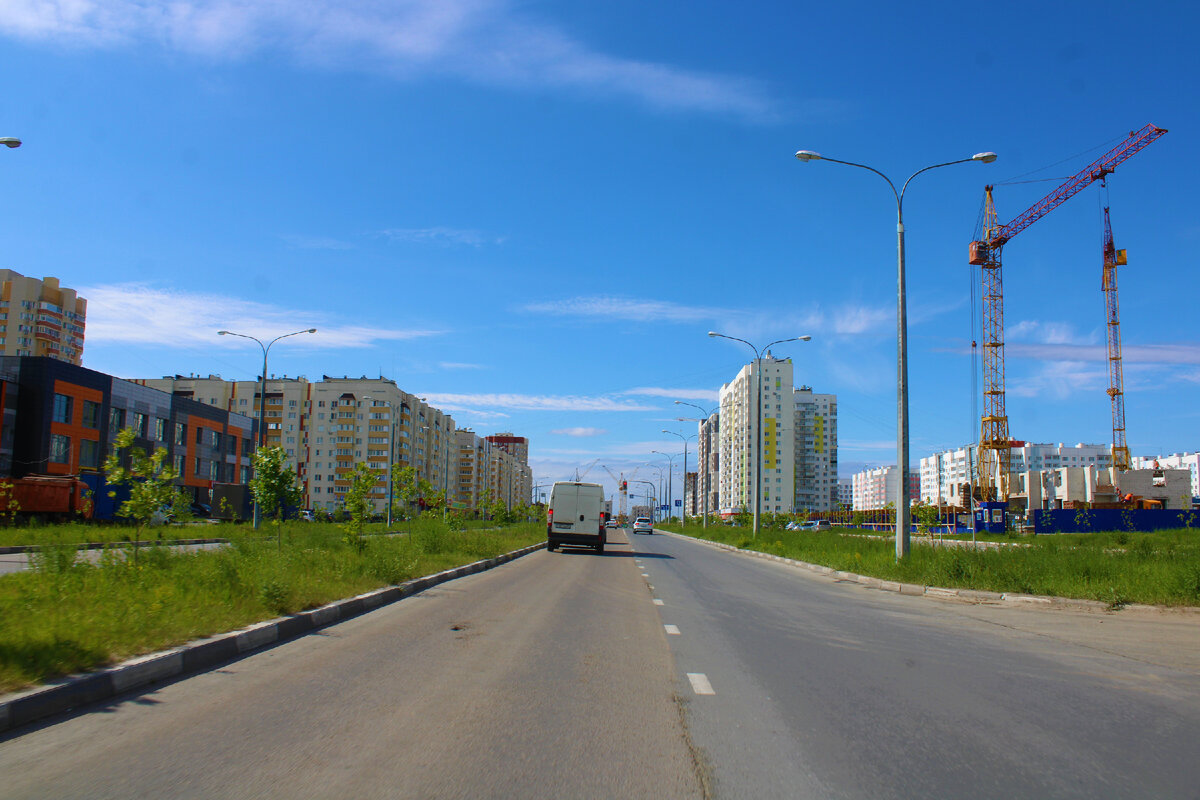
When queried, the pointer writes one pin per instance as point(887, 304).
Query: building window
point(62, 408)
point(198, 471)
point(91, 415)
point(179, 465)
point(60, 448)
point(160, 429)
point(199, 435)
point(116, 419)
point(180, 434)
point(139, 424)
point(89, 454)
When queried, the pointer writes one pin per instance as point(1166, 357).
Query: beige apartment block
point(40, 318)
point(327, 426)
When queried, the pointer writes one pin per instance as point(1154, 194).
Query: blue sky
point(532, 212)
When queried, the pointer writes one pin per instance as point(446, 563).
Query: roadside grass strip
point(67, 616)
point(1117, 568)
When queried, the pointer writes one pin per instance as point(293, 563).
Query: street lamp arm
point(736, 339)
point(898, 195)
point(294, 333)
point(900, 199)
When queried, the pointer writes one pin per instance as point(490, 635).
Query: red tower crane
point(994, 442)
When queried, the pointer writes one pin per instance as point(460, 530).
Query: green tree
point(8, 503)
point(358, 503)
point(274, 484)
point(150, 479)
point(407, 489)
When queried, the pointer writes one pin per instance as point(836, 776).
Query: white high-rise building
point(815, 450)
point(739, 438)
point(875, 488)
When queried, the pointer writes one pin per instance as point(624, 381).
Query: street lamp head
point(713, 333)
point(10, 141)
point(311, 330)
point(222, 333)
point(807, 155)
point(986, 158)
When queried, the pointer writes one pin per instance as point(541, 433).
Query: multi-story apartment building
point(943, 474)
point(845, 490)
point(1188, 461)
point(799, 445)
point(472, 467)
point(40, 318)
point(739, 438)
point(815, 450)
point(708, 466)
point(326, 426)
point(62, 419)
point(876, 487)
point(509, 476)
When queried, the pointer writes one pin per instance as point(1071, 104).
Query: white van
point(576, 515)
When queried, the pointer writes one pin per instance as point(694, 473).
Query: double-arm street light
point(683, 511)
point(670, 479)
point(391, 449)
point(262, 394)
point(758, 414)
point(902, 499)
point(708, 449)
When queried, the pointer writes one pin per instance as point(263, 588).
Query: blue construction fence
point(1094, 520)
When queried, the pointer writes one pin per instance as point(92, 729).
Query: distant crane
point(581, 475)
point(994, 443)
point(623, 489)
point(1116, 377)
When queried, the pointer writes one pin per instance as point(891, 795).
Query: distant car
point(305, 516)
point(815, 525)
point(201, 510)
point(612, 523)
point(643, 525)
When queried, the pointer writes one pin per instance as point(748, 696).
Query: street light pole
point(683, 513)
point(708, 450)
point(670, 480)
point(262, 395)
point(903, 511)
point(758, 414)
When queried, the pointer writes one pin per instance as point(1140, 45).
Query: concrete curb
point(21, 708)
point(973, 596)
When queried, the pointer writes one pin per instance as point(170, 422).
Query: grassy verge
point(1117, 568)
point(65, 616)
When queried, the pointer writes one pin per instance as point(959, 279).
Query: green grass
point(1162, 567)
point(66, 617)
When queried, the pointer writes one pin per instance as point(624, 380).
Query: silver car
point(643, 525)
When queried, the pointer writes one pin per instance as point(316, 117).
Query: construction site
point(1084, 497)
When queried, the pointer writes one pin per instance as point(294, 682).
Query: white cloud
point(527, 402)
point(484, 41)
point(675, 394)
point(135, 313)
point(581, 432)
point(627, 308)
point(439, 235)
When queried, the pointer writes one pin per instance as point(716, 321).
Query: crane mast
point(995, 446)
point(1116, 378)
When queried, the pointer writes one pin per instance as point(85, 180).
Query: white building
point(739, 438)
point(815, 450)
point(708, 469)
point(845, 490)
point(1188, 461)
point(942, 474)
point(875, 488)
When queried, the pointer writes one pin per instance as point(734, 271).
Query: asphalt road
point(545, 677)
point(827, 689)
point(664, 668)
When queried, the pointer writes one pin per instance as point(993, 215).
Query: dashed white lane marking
point(671, 629)
point(657, 602)
point(700, 684)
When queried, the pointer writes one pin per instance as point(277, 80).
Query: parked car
point(643, 525)
point(304, 515)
